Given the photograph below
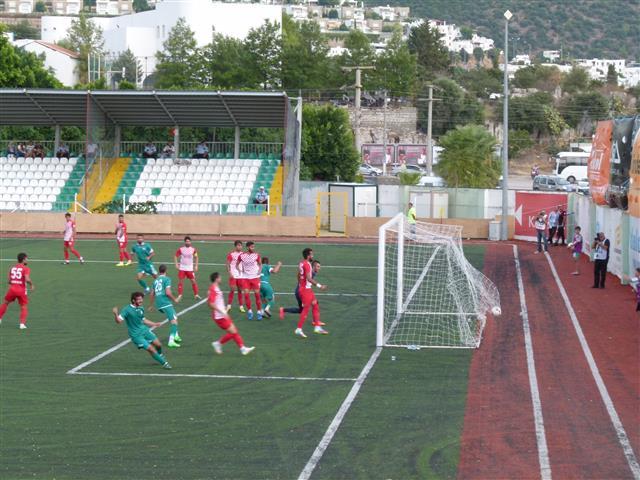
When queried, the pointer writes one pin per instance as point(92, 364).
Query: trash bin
point(494, 230)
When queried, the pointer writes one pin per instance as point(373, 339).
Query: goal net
point(429, 295)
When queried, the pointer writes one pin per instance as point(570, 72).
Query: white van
point(574, 173)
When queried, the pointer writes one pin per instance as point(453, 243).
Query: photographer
point(601, 256)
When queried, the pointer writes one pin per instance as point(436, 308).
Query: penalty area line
point(77, 369)
point(229, 377)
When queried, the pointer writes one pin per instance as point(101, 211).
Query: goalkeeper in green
point(266, 290)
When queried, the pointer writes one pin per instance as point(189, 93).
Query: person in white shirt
point(541, 225)
point(553, 224)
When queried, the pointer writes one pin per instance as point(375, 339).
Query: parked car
point(368, 170)
point(432, 181)
point(550, 183)
point(583, 187)
point(396, 168)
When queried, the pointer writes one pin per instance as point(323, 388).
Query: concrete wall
point(308, 196)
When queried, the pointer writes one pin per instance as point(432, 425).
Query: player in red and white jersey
point(220, 315)
point(305, 284)
point(122, 239)
point(70, 239)
point(250, 265)
point(19, 276)
point(186, 259)
point(234, 274)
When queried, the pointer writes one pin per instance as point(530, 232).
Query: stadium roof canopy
point(143, 108)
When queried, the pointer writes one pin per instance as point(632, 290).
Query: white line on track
point(337, 420)
point(75, 370)
point(604, 393)
point(541, 439)
point(232, 377)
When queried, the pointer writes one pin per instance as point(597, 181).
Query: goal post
point(429, 295)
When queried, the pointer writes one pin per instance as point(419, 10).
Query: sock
point(174, 329)
point(269, 305)
point(232, 336)
point(3, 309)
point(66, 255)
point(240, 299)
point(303, 315)
point(121, 256)
point(225, 338)
point(195, 288)
point(142, 283)
point(230, 298)
point(180, 287)
point(158, 357)
point(23, 313)
point(293, 310)
point(126, 255)
point(315, 311)
point(76, 253)
point(247, 300)
point(159, 350)
point(258, 302)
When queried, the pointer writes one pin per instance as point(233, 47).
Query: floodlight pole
point(504, 230)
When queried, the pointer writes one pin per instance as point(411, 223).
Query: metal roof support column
point(117, 140)
point(236, 144)
point(176, 140)
point(56, 142)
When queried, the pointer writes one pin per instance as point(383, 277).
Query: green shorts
point(144, 339)
point(266, 291)
point(169, 311)
point(147, 269)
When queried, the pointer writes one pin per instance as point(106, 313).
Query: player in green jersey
point(144, 253)
point(266, 290)
point(162, 297)
point(138, 327)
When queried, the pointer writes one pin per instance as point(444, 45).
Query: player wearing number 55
point(19, 276)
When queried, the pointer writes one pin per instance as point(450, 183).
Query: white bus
point(568, 159)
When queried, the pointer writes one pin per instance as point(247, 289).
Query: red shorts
point(69, 244)
point(307, 296)
point(17, 293)
point(249, 283)
point(233, 282)
point(182, 275)
point(122, 245)
point(223, 323)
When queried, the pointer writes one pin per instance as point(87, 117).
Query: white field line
point(337, 420)
point(541, 439)
point(233, 377)
point(170, 262)
point(123, 343)
point(604, 393)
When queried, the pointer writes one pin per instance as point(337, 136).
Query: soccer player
point(138, 327)
point(144, 253)
point(19, 276)
point(69, 239)
point(162, 297)
point(234, 274)
point(266, 290)
point(305, 282)
point(315, 264)
point(250, 264)
point(220, 315)
point(184, 259)
point(121, 239)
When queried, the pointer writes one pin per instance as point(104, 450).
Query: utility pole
point(430, 99)
point(504, 230)
point(358, 87)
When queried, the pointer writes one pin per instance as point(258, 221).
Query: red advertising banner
point(413, 154)
point(599, 167)
point(373, 154)
point(529, 204)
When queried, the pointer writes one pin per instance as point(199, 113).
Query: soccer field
point(229, 416)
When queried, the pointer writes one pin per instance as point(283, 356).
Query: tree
point(225, 64)
point(359, 50)
point(128, 61)
point(432, 56)
point(333, 14)
point(466, 32)
point(534, 113)
point(455, 108)
point(480, 81)
point(584, 107)
point(24, 29)
point(518, 140)
point(478, 54)
point(612, 76)
point(177, 61)
point(468, 158)
point(84, 38)
point(20, 69)
point(265, 48)
point(141, 6)
point(396, 67)
point(328, 151)
point(575, 81)
point(40, 7)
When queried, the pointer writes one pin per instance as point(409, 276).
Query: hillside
point(582, 28)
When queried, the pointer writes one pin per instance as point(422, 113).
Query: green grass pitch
point(405, 422)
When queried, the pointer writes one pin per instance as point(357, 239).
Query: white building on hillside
point(144, 33)
point(630, 75)
point(61, 61)
point(597, 67)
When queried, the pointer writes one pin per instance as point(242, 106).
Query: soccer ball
point(570, 245)
point(482, 317)
point(496, 311)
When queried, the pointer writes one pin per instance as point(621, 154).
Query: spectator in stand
point(21, 150)
point(169, 151)
point(600, 249)
point(202, 151)
point(541, 226)
point(576, 248)
point(562, 218)
point(553, 224)
point(262, 198)
point(38, 151)
point(92, 150)
point(63, 151)
point(12, 151)
point(29, 150)
point(150, 151)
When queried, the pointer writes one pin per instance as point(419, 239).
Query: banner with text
point(598, 169)
point(528, 205)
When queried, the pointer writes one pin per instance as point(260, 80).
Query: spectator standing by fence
point(553, 224)
point(576, 249)
point(541, 225)
point(600, 248)
point(562, 218)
